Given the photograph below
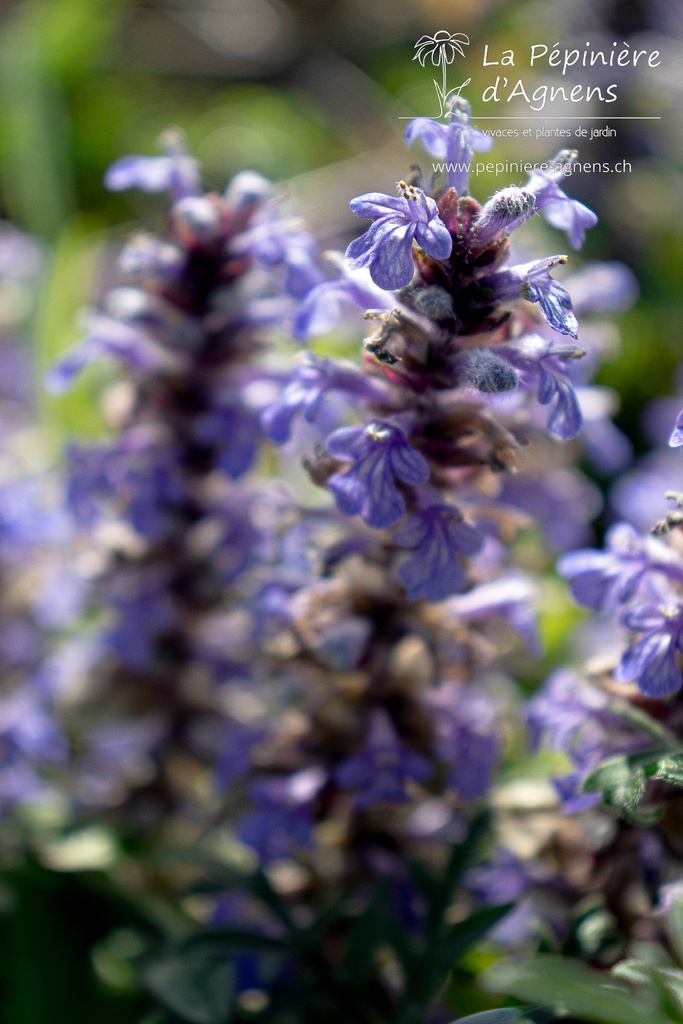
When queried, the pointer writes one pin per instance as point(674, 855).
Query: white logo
point(442, 48)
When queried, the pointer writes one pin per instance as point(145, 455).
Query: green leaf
point(621, 781)
point(462, 936)
point(197, 983)
point(504, 1016)
point(670, 769)
point(233, 938)
point(672, 980)
point(581, 990)
point(674, 926)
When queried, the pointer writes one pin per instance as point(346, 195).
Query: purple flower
point(380, 454)
point(319, 311)
point(558, 209)
point(603, 580)
point(561, 708)
point(386, 247)
point(231, 432)
point(504, 212)
point(142, 611)
point(543, 362)
point(176, 172)
point(384, 768)
point(454, 143)
point(440, 539)
point(466, 738)
point(539, 908)
point(676, 439)
point(575, 718)
point(235, 741)
point(28, 729)
point(652, 661)
point(603, 288)
point(147, 258)
point(532, 281)
point(305, 392)
point(562, 502)
point(132, 343)
point(607, 449)
point(279, 242)
point(138, 473)
point(282, 818)
point(510, 598)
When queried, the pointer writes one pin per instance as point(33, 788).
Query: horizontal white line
point(547, 117)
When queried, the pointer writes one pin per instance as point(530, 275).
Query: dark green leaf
point(506, 1016)
point(462, 936)
point(196, 983)
point(581, 990)
point(621, 780)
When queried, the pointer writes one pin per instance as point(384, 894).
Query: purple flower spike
point(386, 247)
point(555, 206)
point(453, 143)
point(384, 768)
point(652, 660)
point(440, 539)
point(379, 453)
point(176, 172)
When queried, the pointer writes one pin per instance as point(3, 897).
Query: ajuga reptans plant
point(319, 691)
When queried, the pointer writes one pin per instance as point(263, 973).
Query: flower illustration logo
point(442, 48)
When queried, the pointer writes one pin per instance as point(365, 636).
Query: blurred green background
point(310, 93)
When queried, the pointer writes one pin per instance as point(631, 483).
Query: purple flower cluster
point(169, 503)
point(639, 579)
point(402, 600)
point(322, 677)
point(39, 591)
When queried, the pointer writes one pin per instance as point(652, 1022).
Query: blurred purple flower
point(175, 172)
point(384, 768)
point(320, 309)
point(453, 143)
point(440, 538)
point(604, 580)
point(282, 817)
point(275, 241)
point(555, 205)
point(305, 392)
point(510, 598)
point(467, 737)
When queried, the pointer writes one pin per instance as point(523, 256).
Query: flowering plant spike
point(306, 681)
